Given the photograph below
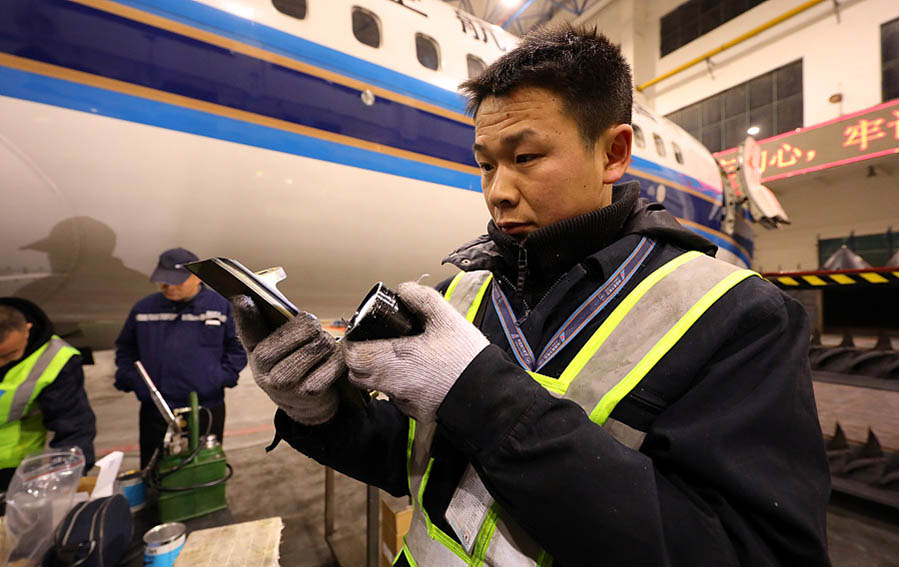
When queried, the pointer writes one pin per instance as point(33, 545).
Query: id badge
point(469, 506)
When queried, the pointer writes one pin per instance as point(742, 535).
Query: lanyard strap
point(589, 309)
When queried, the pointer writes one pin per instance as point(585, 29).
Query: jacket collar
point(550, 251)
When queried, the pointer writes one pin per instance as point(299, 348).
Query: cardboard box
point(396, 515)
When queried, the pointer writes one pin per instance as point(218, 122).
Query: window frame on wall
point(695, 18)
point(374, 18)
point(773, 101)
point(889, 60)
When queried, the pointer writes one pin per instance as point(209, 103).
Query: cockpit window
point(638, 136)
point(660, 144)
point(293, 8)
point(427, 51)
point(476, 66)
point(366, 27)
point(678, 155)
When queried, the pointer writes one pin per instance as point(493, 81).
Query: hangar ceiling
point(519, 16)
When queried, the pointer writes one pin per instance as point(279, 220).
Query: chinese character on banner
point(862, 133)
point(895, 124)
point(786, 156)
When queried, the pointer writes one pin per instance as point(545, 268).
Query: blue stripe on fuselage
point(684, 205)
point(235, 27)
point(97, 42)
point(39, 88)
point(67, 34)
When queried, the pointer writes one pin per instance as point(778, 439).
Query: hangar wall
point(838, 57)
point(840, 54)
point(828, 205)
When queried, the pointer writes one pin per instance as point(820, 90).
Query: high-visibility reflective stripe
point(669, 311)
point(608, 402)
point(588, 350)
point(409, 453)
point(433, 531)
point(473, 310)
point(404, 552)
point(452, 286)
point(485, 534)
point(24, 391)
point(467, 290)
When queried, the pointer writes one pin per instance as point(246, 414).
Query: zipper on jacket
point(522, 269)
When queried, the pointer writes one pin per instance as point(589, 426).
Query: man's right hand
point(297, 365)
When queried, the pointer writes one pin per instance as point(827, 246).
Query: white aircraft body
point(323, 136)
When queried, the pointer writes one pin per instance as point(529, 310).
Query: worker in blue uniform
point(593, 388)
point(184, 336)
point(41, 389)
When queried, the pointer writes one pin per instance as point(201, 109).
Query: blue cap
point(170, 269)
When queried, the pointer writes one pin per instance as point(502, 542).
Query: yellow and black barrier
point(820, 279)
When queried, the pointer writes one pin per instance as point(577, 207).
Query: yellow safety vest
point(633, 338)
point(22, 429)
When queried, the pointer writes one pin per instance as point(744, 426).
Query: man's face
point(536, 169)
point(13, 345)
point(183, 291)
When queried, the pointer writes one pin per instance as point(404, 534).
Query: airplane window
point(660, 145)
point(426, 50)
point(293, 8)
point(366, 27)
point(638, 136)
point(476, 66)
point(677, 153)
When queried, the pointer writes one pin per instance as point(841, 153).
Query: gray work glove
point(297, 365)
point(417, 371)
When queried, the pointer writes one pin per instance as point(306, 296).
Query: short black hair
point(11, 319)
point(580, 65)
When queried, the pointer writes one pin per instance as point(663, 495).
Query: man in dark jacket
point(42, 389)
point(184, 336)
point(594, 388)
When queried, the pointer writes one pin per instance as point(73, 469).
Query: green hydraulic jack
point(192, 481)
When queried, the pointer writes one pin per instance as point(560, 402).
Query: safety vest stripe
point(552, 384)
point(485, 534)
point(23, 393)
point(433, 531)
point(473, 310)
point(409, 453)
point(608, 402)
point(595, 342)
point(452, 286)
point(405, 553)
point(467, 290)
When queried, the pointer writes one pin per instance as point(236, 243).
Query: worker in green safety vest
point(42, 389)
point(594, 387)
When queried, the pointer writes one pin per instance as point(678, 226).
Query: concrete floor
point(287, 484)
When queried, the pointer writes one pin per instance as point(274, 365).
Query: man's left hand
point(417, 371)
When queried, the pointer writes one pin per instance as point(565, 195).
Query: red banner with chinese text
point(867, 134)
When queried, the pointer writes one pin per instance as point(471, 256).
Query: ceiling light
point(753, 130)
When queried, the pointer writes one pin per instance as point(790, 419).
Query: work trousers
point(153, 428)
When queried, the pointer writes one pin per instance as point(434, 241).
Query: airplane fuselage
point(233, 129)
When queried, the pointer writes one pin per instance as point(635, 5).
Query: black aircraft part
point(864, 471)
